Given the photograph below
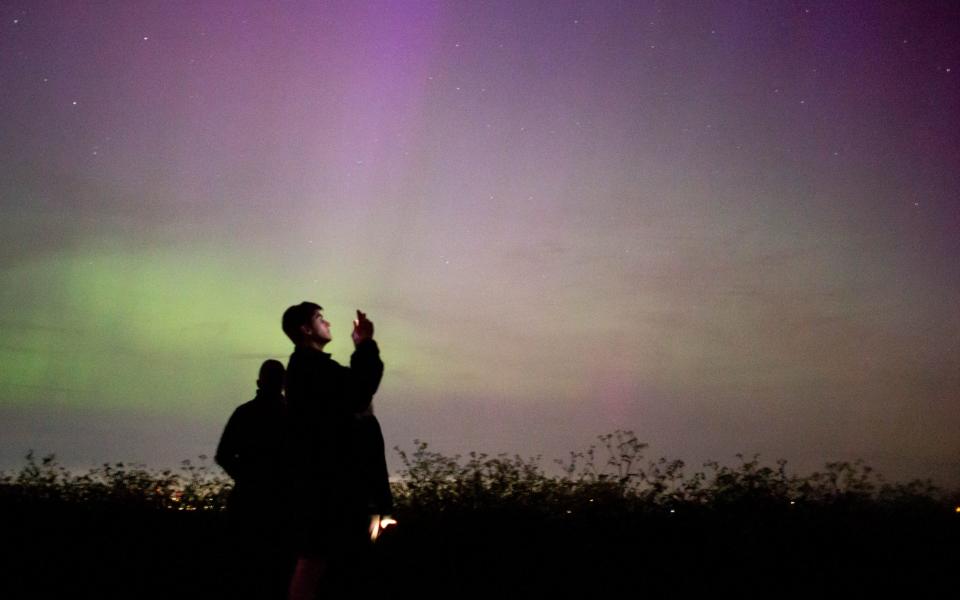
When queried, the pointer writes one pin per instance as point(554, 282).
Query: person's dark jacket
point(323, 397)
point(372, 474)
point(254, 451)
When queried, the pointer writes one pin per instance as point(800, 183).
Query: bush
point(609, 521)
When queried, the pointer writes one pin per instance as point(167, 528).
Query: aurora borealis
point(728, 226)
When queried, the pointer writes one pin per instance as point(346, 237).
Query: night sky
point(728, 226)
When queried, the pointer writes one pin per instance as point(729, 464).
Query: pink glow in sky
point(730, 227)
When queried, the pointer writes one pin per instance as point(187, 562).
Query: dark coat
point(254, 451)
point(372, 465)
point(324, 398)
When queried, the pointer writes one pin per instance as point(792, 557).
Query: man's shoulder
point(246, 408)
point(308, 358)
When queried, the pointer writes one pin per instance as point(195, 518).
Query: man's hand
point(362, 328)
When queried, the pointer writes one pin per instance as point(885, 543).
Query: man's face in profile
point(318, 329)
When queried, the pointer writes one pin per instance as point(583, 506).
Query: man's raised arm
point(366, 368)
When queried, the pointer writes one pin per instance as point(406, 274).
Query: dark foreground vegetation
point(499, 526)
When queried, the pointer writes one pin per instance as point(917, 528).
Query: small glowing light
point(378, 524)
point(145, 38)
point(957, 510)
point(792, 503)
point(672, 511)
point(569, 512)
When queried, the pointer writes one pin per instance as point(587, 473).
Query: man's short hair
point(297, 316)
point(270, 378)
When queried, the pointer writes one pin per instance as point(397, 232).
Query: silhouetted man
point(254, 450)
point(330, 489)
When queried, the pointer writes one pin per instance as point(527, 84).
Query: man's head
point(305, 326)
point(270, 380)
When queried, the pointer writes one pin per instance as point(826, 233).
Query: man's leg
point(307, 577)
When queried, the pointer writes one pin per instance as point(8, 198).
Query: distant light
point(792, 503)
point(672, 511)
point(957, 510)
